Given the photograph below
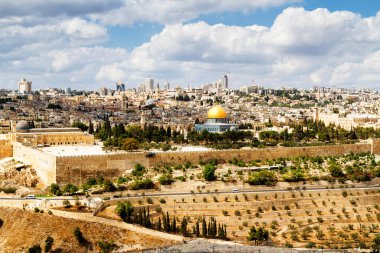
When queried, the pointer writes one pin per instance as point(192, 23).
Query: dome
point(22, 126)
point(217, 112)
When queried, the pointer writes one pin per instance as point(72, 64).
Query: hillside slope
point(22, 229)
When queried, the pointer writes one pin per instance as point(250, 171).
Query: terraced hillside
point(326, 218)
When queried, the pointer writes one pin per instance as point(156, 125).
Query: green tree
point(130, 144)
point(376, 244)
point(125, 211)
point(209, 172)
point(48, 243)
point(80, 125)
point(91, 128)
point(70, 188)
point(54, 189)
point(259, 235)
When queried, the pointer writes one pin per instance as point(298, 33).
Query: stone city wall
point(262, 154)
point(78, 169)
point(6, 150)
point(44, 164)
point(375, 146)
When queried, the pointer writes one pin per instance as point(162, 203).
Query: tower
point(25, 86)
point(124, 102)
point(142, 120)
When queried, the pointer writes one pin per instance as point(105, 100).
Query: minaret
point(316, 114)
point(142, 120)
point(124, 102)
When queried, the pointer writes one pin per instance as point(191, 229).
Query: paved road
point(240, 191)
point(251, 191)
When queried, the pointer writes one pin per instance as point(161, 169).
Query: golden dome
point(217, 112)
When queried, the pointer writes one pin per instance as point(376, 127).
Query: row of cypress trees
point(141, 216)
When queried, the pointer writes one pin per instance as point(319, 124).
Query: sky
point(88, 44)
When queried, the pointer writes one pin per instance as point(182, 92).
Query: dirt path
point(137, 229)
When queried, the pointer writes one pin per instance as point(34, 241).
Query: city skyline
point(276, 43)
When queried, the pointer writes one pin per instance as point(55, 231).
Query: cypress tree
point(168, 222)
point(91, 128)
point(204, 228)
point(174, 227)
point(159, 223)
point(184, 227)
point(209, 228)
point(165, 222)
point(197, 229)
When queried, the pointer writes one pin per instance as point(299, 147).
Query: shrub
point(108, 186)
point(106, 246)
point(138, 170)
point(141, 184)
point(264, 177)
point(9, 190)
point(35, 249)
point(66, 203)
point(165, 179)
point(79, 236)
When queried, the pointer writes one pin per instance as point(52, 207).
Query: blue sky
point(133, 35)
point(88, 44)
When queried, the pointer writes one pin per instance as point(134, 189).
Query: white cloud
point(301, 48)
point(55, 7)
point(171, 12)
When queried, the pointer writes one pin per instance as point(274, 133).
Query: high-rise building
point(67, 91)
point(225, 82)
point(25, 86)
point(149, 84)
point(167, 86)
point(120, 86)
